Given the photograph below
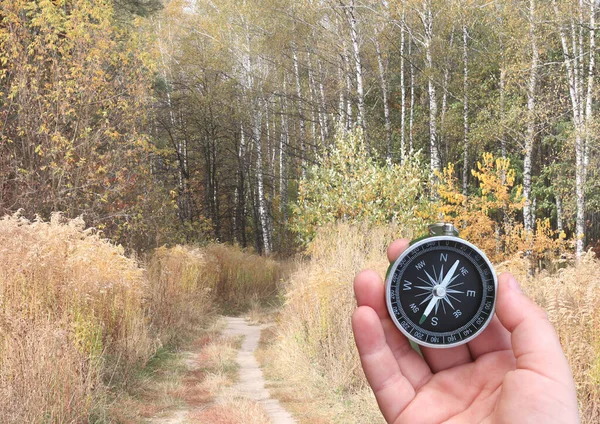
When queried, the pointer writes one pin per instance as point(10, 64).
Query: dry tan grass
point(71, 315)
point(571, 297)
point(315, 335)
point(315, 339)
point(240, 279)
point(180, 297)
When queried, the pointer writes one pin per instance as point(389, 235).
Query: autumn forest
point(168, 168)
point(198, 120)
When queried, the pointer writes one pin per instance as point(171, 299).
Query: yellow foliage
point(488, 218)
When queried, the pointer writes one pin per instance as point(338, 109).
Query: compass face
point(441, 292)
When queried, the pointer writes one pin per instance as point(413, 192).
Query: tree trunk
point(323, 120)
point(402, 89)
point(431, 90)
point(559, 214)
point(465, 172)
point(311, 99)
point(263, 213)
point(412, 102)
point(386, 106)
point(360, 119)
point(529, 137)
point(300, 112)
point(572, 65)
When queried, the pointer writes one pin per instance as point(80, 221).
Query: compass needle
point(426, 299)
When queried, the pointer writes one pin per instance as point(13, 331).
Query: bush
point(489, 217)
point(349, 185)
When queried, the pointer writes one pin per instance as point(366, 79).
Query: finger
point(443, 359)
point(534, 341)
point(494, 338)
point(370, 291)
point(392, 389)
point(396, 248)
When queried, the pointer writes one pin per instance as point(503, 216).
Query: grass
point(312, 357)
point(182, 380)
point(79, 319)
point(241, 280)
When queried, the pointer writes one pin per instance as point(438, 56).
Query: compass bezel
point(416, 245)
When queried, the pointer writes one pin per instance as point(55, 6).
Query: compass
point(441, 292)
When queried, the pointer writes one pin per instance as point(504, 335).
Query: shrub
point(349, 185)
point(488, 218)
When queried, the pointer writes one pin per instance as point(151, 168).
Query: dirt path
point(252, 382)
point(248, 393)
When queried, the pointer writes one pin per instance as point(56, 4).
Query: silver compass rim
point(388, 283)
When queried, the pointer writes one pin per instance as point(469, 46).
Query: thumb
point(534, 341)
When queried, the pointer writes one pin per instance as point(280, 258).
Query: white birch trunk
point(402, 89)
point(571, 61)
point(300, 113)
point(559, 214)
point(360, 119)
point(465, 172)
point(263, 214)
point(412, 102)
point(531, 91)
point(323, 120)
point(384, 93)
point(431, 90)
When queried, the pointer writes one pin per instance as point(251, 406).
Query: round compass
point(441, 291)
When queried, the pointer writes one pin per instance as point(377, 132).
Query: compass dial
point(441, 291)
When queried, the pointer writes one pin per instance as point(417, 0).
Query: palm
point(513, 372)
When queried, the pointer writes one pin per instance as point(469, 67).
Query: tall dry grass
point(315, 332)
point(180, 296)
point(571, 297)
point(316, 351)
point(71, 316)
point(241, 279)
point(78, 317)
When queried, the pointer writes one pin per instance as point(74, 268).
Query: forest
point(191, 121)
point(187, 147)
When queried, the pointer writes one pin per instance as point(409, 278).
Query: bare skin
point(514, 372)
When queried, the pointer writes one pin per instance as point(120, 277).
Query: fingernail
point(514, 284)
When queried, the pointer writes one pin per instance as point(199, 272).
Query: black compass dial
point(441, 291)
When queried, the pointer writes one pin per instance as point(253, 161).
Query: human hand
point(514, 372)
